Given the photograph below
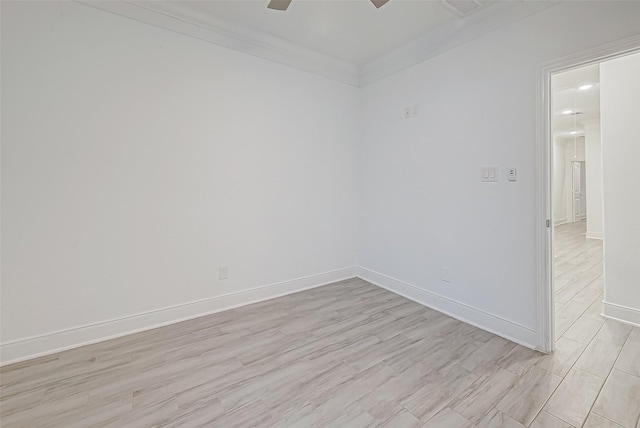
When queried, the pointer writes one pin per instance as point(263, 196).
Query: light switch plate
point(489, 173)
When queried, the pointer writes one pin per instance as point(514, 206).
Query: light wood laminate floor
point(347, 354)
point(599, 359)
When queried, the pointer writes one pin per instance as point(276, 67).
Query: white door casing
point(545, 324)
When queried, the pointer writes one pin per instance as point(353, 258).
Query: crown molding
point(180, 18)
point(183, 18)
point(450, 35)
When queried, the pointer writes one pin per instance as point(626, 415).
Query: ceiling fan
point(284, 4)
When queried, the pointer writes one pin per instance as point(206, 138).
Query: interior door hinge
point(548, 222)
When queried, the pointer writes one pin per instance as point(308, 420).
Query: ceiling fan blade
point(279, 4)
point(379, 3)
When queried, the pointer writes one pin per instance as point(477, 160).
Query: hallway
point(579, 282)
point(599, 358)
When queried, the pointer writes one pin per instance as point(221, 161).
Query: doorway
point(565, 202)
point(578, 283)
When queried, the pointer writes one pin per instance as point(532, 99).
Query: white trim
point(595, 235)
point(183, 18)
point(180, 18)
point(493, 323)
point(544, 212)
point(544, 175)
point(560, 221)
point(449, 35)
point(621, 313)
point(57, 341)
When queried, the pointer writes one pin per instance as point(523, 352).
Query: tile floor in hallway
point(347, 354)
point(602, 357)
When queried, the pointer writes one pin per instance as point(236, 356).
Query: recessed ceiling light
point(567, 111)
point(573, 132)
point(585, 87)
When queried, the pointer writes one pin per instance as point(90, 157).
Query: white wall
point(136, 161)
point(422, 203)
point(620, 104)
point(593, 161)
point(559, 179)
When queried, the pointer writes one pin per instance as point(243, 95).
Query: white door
point(578, 174)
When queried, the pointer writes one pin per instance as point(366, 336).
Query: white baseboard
point(560, 221)
point(492, 323)
point(50, 343)
point(621, 313)
point(595, 235)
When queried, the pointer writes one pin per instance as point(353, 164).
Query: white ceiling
point(349, 41)
point(567, 96)
point(350, 30)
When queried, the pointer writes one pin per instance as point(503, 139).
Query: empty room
point(318, 213)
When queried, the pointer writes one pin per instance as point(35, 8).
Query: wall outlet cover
point(223, 272)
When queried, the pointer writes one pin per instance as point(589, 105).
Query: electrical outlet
point(446, 274)
point(410, 112)
point(223, 272)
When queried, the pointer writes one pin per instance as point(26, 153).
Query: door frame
point(545, 325)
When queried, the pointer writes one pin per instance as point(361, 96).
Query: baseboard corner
point(621, 313)
point(594, 235)
point(478, 318)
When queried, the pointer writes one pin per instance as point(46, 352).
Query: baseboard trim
point(621, 313)
point(492, 323)
point(62, 340)
point(560, 221)
point(595, 235)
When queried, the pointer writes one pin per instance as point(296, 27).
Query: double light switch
point(489, 173)
point(492, 173)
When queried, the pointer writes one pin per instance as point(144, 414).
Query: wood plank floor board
point(619, 400)
point(595, 310)
point(519, 360)
point(532, 391)
point(448, 418)
point(497, 419)
point(629, 359)
point(614, 332)
point(575, 396)
point(599, 357)
point(483, 395)
point(583, 330)
point(402, 419)
point(439, 392)
point(596, 421)
point(547, 420)
point(347, 354)
point(488, 355)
